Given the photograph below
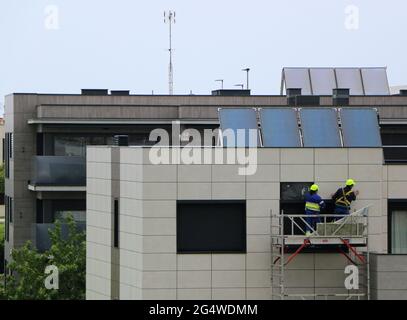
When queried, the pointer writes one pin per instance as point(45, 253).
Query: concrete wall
point(18, 109)
point(150, 268)
point(389, 277)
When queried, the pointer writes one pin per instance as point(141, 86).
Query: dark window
point(7, 156)
point(211, 226)
point(10, 209)
point(294, 191)
point(11, 145)
point(39, 209)
point(40, 143)
point(6, 216)
point(394, 139)
point(292, 203)
point(50, 210)
point(397, 226)
point(116, 223)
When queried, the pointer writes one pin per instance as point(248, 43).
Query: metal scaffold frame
point(337, 231)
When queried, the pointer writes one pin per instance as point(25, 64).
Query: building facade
point(138, 241)
point(46, 137)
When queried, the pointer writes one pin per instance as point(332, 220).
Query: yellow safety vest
point(343, 201)
point(312, 206)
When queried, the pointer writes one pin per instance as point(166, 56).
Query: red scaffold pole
point(306, 243)
point(360, 257)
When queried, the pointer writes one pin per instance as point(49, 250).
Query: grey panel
point(279, 127)
point(360, 128)
point(235, 119)
point(320, 127)
point(375, 81)
point(298, 78)
point(350, 78)
point(323, 81)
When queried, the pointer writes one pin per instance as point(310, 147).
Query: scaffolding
point(347, 235)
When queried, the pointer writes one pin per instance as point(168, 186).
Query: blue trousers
point(341, 210)
point(312, 221)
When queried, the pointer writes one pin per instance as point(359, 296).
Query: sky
point(61, 46)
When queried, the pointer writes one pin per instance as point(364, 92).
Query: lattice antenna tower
point(169, 18)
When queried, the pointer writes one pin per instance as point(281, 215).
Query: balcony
point(58, 173)
point(42, 239)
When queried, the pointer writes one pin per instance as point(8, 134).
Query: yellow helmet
point(314, 187)
point(350, 182)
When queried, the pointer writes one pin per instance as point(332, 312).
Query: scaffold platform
point(347, 235)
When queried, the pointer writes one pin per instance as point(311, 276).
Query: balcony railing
point(58, 171)
point(42, 239)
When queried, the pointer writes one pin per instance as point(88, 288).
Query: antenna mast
point(169, 17)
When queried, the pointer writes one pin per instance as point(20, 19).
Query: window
point(116, 224)
point(49, 210)
point(294, 191)
point(11, 145)
point(394, 139)
point(10, 209)
point(78, 215)
point(7, 156)
point(6, 216)
point(292, 203)
point(397, 226)
point(211, 226)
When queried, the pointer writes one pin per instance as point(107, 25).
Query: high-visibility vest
point(343, 201)
point(312, 206)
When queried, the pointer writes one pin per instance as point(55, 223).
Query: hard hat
point(350, 182)
point(314, 187)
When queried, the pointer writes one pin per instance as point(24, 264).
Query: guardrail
point(58, 171)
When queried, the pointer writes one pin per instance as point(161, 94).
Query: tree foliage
point(27, 269)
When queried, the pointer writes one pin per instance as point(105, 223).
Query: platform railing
point(326, 225)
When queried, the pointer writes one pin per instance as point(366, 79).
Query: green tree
point(27, 268)
point(69, 255)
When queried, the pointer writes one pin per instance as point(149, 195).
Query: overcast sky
point(61, 46)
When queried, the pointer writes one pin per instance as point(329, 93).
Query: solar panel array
point(321, 81)
point(304, 127)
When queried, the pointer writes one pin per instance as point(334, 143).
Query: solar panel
point(360, 127)
point(320, 127)
point(279, 127)
point(323, 81)
point(232, 121)
point(375, 81)
point(350, 78)
point(297, 78)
